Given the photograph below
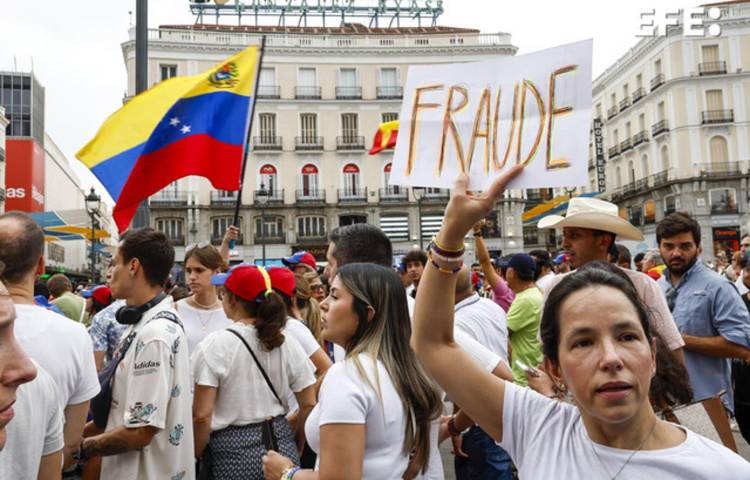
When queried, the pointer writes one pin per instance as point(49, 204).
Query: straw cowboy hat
point(593, 214)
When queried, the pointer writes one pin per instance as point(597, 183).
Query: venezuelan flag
point(385, 137)
point(193, 125)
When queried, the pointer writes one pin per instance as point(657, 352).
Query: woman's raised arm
point(479, 393)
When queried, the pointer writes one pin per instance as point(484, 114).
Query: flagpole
point(236, 219)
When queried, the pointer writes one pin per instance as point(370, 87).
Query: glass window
point(723, 200)
point(172, 228)
point(273, 227)
point(389, 117)
point(168, 71)
point(308, 227)
point(267, 127)
point(309, 127)
point(349, 127)
point(345, 220)
point(671, 204)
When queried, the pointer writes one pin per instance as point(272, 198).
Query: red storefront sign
point(24, 176)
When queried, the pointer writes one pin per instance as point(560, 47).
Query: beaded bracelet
point(443, 258)
point(444, 251)
point(289, 473)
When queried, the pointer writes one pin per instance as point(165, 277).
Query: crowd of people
point(580, 363)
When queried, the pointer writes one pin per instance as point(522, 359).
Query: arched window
point(389, 189)
point(665, 158)
point(268, 178)
point(618, 178)
point(719, 152)
point(309, 180)
point(645, 170)
point(631, 172)
point(351, 180)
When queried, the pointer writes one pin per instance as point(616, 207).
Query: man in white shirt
point(59, 345)
point(545, 273)
point(149, 428)
point(742, 287)
point(477, 454)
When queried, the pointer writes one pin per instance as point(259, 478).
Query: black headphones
point(131, 315)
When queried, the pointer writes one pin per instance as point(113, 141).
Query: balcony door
point(714, 100)
point(351, 180)
point(308, 128)
point(309, 180)
point(390, 189)
point(349, 127)
point(268, 178)
point(267, 128)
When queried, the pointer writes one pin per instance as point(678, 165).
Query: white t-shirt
point(199, 322)
point(543, 283)
point(347, 399)
point(484, 321)
point(36, 430)
point(740, 284)
point(243, 397)
point(63, 348)
point(296, 329)
point(152, 387)
point(481, 354)
point(547, 439)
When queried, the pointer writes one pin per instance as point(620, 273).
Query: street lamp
point(262, 198)
point(93, 202)
point(418, 194)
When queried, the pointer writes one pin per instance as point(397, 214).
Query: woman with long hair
point(317, 287)
point(375, 407)
point(201, 313)
point(597, 342)
point(307, 308)
point(243, 375)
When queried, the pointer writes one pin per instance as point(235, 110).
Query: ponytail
point(270, 318)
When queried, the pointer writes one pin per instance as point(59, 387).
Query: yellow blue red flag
point(192, 125)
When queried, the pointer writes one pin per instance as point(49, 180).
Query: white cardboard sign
point(484, 117)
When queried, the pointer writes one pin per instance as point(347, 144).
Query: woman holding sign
point(597, 341)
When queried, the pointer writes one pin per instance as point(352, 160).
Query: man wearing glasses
point(710, 315)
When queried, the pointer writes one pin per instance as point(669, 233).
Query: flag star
point(174, 121)
point(185, 129)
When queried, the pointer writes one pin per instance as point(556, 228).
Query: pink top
point(502, 294)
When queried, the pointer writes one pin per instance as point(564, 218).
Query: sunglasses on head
point(193, 246)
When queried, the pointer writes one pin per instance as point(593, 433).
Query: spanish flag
point(192, 125)
point(385, 137)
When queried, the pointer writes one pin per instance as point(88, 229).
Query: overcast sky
point(75, 46)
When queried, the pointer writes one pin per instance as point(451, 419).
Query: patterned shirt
point(707, 305)
point(152, 387)
point(106, 331)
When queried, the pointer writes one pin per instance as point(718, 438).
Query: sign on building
point(601, 176)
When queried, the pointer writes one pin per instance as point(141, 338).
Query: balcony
point(308, 144)
point(660, 178)
point(348, 143)
point(657, 81)
point(274, 197)
point(390, 93)
point(348, 93)
point(612, 152)
point(659, 127)
point(267, 239)
point(266, 144)
point(641, 185)
point(625, 145)
point(167, 199)
point(349, 195)
point(310, 196)
point(436, 196)
point(307, 92)
point(721, 169)
point(272, 92)
point(639, 93)
point(712, 117)
point(640, 137)
point(712, 68)
point(177, 240)
point(629, 188)
point(393, 195)
point(624, 104)
point(611, 112)
point(217, 239)
point(222, 198)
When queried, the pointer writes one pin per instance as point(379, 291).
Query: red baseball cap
point(302, 257)
point(246, 281)
point(282, 279)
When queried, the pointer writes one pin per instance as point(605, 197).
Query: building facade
point(3, 125)
point(675, 125)
point(323, 92)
